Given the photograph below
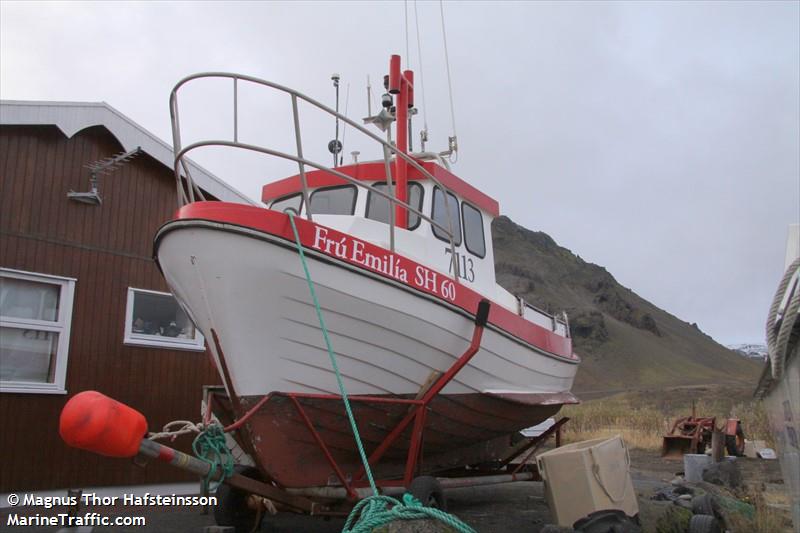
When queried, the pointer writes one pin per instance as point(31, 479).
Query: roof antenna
point(369, 98)
point(344, 128)
point(98, 168)
point(384, 118)
point(335, 146)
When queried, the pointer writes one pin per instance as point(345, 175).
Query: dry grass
point(766, 519)
point(643, 418)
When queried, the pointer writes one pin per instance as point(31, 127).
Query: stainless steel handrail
point(283, 155)
point(188, 195)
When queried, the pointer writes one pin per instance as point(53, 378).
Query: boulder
point(724, 473)
point(416, 526)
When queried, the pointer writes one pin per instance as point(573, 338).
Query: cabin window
point(295, 201)
point(473, 230)
point(156, 319)
point(333, 201)
point(439, 215)
point(35, 319)
point(378, 206)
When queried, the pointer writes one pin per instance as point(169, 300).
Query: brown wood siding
point(107, 248)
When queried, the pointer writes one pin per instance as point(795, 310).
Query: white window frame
point(61, 326)
point(197, 344)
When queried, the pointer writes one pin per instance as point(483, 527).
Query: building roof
point(72, 117)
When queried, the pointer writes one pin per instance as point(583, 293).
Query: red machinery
point(692, 434)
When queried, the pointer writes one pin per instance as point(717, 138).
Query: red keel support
point(416, 436)
point(417, 413)
point(350, 492)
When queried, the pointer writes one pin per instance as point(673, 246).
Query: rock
point(724, 473)
point(677, 481)
point(685, 504)
point(685, 497)
point(663, 495)
point(417, 526)
point(605, 521)
point(551, 528)
point(674, 520)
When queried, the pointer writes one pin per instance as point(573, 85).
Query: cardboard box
point(587, 476)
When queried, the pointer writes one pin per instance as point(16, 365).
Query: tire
point(232, 509)
point(734, 444)
point(429, 492)
point(705, 505)
point(703, 523)
point(607, 521)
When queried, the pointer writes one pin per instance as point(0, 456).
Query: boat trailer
point(97, 423)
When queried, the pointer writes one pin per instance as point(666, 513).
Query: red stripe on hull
point(277, 224)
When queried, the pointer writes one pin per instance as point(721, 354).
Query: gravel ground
point(510, 507)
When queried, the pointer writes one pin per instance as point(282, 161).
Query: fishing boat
point(400, 255)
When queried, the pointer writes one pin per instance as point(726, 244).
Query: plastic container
point(92, 421)
point(693, 465)
point(587, 476)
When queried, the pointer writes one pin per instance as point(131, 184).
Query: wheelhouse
point(357, 209)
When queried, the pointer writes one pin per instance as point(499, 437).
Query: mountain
point(753, 351)
point(624, 341)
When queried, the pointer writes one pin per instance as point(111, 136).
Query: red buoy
point(92, 421)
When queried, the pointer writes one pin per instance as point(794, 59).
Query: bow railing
point(189, 191)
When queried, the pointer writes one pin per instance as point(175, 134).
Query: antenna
point(102, 167)
point(344, 128)
point(369, 98)
point(334, 147)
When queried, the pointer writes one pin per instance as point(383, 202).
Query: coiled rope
point(210, 446)
point(778, 337)
point(376, 510)
point(184, 427)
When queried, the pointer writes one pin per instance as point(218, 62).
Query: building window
point(439, 216)
point(294, 202)
point(473, 230)
point(156, 319)
point(378, 206)
point(333, 200)
point(35, 319)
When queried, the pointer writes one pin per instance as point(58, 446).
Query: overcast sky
point(660, 140)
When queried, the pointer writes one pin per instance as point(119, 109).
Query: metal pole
point(336, 138)
point(300, 164)
point(390, 185)
point(235, 110)
point(399, 85)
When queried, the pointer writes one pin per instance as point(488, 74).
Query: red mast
point(401, 84)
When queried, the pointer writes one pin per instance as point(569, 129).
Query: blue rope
point(376, 510)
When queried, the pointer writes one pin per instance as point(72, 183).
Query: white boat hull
point(249, 287)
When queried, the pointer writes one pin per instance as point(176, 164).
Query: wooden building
point(82, 303)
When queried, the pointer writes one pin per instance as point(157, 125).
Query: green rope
point(210, 446)
point(376, 510)
point(342, 390)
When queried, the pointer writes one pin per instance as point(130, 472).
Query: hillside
point(625, 342)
